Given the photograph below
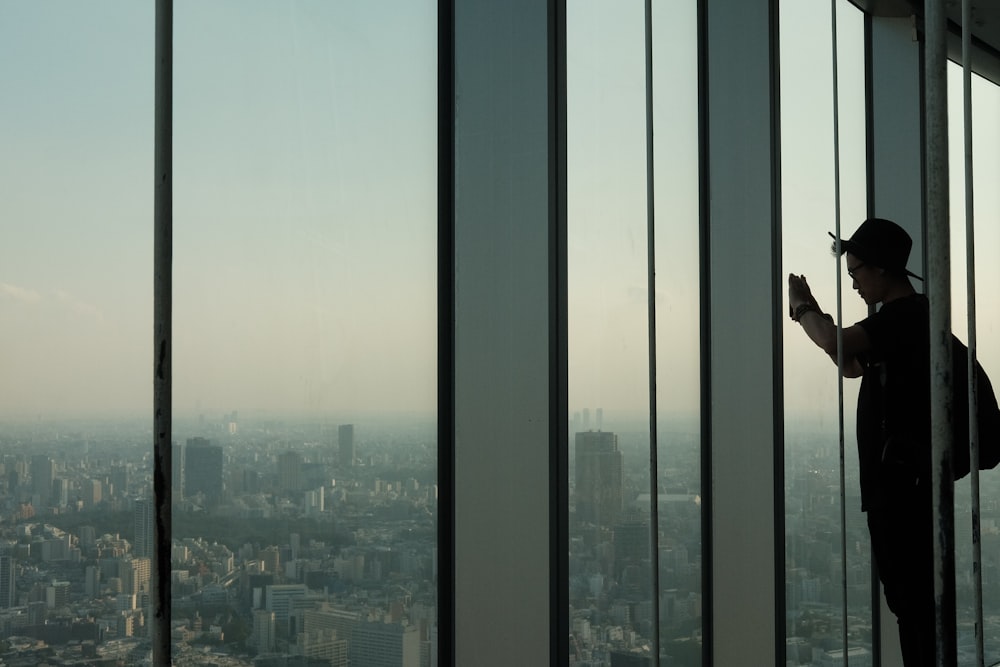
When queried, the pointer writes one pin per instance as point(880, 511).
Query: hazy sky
point(305, 204)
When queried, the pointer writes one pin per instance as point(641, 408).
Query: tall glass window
point(305, 328)
point(814, 551)
point(612, 594)
point(678, 333)
point(986, 200)
point(76, 121)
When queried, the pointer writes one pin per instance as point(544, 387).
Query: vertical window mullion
point(162, 319)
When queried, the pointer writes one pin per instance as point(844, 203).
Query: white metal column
point(502, 364)
point(745, 300)
point(896, 162)
point(895, 168)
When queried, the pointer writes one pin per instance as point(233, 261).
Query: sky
point(305, 205)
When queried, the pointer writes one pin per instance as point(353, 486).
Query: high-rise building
point(120, 478)
point(135, 575)
point(7, 590)
point(57, 594)
point(345, 440)
point(142, 521)
point(314, 502)
point(60, 492)
point(203, 470)
point(271, 558)
point(376, 644)
point(631, 541)
point(340, 620)
point(42, 474)
point(264, 632)
point(290, 471)
point(91, 491)
point(177, 470)
point(323, 645)
point(285, 601)
point(600, 478)
point(92, 581)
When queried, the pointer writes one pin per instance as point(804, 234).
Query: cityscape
point(304, 542)
point(294, 543)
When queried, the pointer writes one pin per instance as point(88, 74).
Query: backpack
point(988, 415)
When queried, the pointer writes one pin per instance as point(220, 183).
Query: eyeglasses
point(852, 269)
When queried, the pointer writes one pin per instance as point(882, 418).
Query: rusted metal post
point(939, 294)
point(162, 319)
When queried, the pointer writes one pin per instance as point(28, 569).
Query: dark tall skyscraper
point(7, 598)
point(120, 478)
point(290, 471)
point(345, 438)
point(177, 470)
point(203, 469)
point(142, 520)
point(42, 474)
point(600, 478)
point(631, 542)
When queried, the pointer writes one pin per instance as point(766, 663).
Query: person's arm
point(823, 332)
point(821, 329)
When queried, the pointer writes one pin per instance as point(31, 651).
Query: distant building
point(631, 542)
point(42, 474)
point(345, 440)
point(8, 596)
point(630, 659)
point(264, 631)
point(290, 471)
point(376, 644)
point(91, 492)
point(281, 600)
point(60, 492)
point(271, 558)
point(203, 470)
point(341, 621)
point(600, 478)
point(57, 594)
point(314, 502)
point(135, 575)
point(323, 645)
point(120, 477)
point(177, 470)
point(92, 581)
point(142, 521)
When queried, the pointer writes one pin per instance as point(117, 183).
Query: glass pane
point(305, 329)
point(678, 329)
point(814, 552)
point(76, 119)
point(986, 201)
point(610, 578)
point(611, 583)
